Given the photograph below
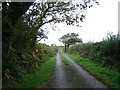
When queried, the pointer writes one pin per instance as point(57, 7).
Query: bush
point(18, 62)
point(107, 52)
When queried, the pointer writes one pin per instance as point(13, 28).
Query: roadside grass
point(64, 60)
point(39, 78)
point(106, 74)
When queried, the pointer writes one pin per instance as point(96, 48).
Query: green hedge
point(107, 52)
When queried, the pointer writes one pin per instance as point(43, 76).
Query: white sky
point(99, 20)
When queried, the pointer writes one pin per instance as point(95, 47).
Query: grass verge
point(106, 74)
point(39, 78)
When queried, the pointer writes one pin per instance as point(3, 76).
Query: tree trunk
point(65, 47)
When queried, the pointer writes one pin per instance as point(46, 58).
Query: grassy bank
point(39, 78)
point(106, 74)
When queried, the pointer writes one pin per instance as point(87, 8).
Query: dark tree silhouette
point(69, 39)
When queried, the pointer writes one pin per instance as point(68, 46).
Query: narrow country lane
point(59, 75)
point(72, 76)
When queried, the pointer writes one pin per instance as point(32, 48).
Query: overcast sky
point(99, 20)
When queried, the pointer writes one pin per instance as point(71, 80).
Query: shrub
point(107, 52)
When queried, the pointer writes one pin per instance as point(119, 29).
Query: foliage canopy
point(69, 39)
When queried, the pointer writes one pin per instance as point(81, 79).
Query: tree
point(22, 26)
point(69, 39)
point(55, 12)
point(53, 45)
point(73, 41)
point(14, 10)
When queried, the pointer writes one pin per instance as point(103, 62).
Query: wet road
point(72, 76)
point(59, 75)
